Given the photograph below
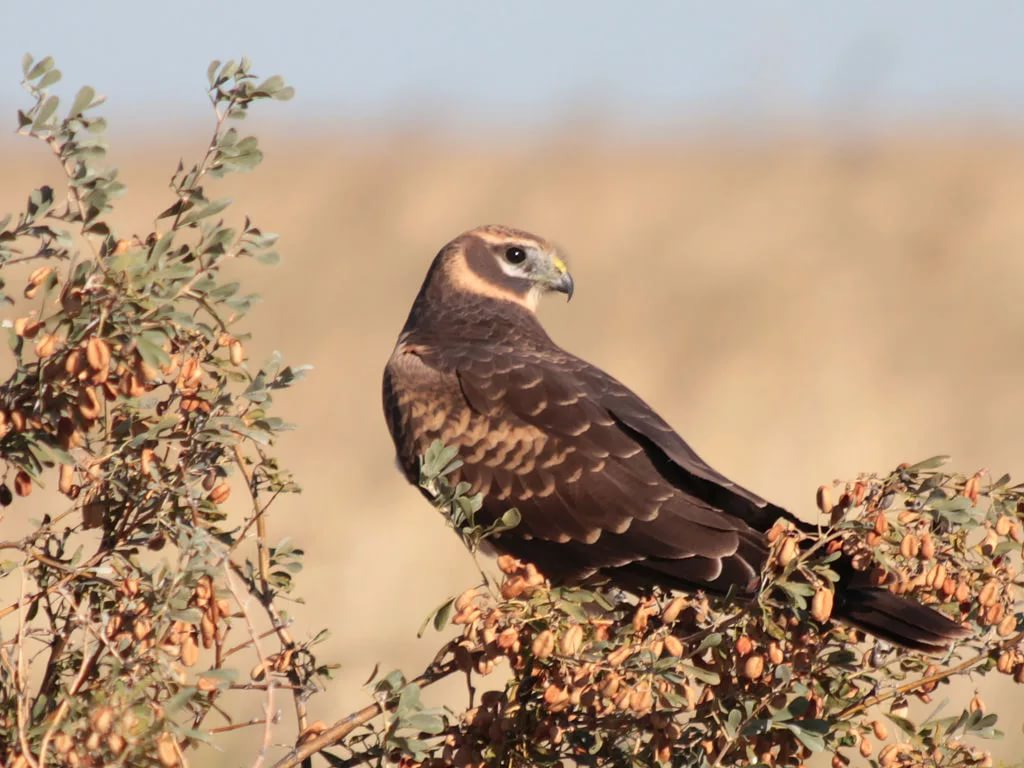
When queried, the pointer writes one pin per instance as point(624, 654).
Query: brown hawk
point(604, 486)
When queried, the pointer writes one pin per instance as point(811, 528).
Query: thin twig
point(265, 596)
point(343, 727)
point(269, 719)
point(899, 690)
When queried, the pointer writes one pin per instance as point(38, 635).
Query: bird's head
point(504, 263)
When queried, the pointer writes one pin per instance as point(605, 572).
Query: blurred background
point(795, 229)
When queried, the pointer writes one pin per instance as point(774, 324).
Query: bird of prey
point(605, 487)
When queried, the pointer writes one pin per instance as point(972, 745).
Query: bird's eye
point(515, 255)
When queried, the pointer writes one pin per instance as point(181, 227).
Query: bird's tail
point(897, 619)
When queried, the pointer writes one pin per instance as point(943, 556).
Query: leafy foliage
point(603, 678)
point(130, 388)
point(144, 601)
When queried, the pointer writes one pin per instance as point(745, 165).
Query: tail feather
point(897, 619)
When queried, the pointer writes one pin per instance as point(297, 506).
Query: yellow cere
point(559, 264)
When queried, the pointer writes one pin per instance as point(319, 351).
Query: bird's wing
point(596, 493)
point(675, 457)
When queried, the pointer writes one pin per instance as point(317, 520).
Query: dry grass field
point(799, 310)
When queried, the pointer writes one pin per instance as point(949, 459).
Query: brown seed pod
point(74, 362)
point(190, 652)
point(1003, 525)
point(775, 654)
point(990, 593)
point(963, 592)
point(22, 483)
point(47, 345)
point(936, 575)
point(821, 604)
point(190, 376)
point(776, 531)
point(1007, 626)
point(927, 551)
point(464, 600)
point(753, 667)
point(744, 645)
point(1005, 662)
point(641, 700)
point(673, 646)
point(141, 628)
point(236, 352)
point(787, 552)
point(220, 494)
point(207, 630)
point(102, 720)
point(147, 459)
point(616, 657)
point(890, 755)
point(167, 751)
point(543, 644)
point(1017, 531)
point(972, 488)
point(63, 743)
point(39, 275)
point(65, 479)
point(824, 499)
point(880, 730)
point(89, 407)
point(116, 743)
point(556, 698)
point(881, 524)
point(571, 640)
point(673, 609)
point(865, 747)
point(207, 684)
point(994, 614)
point(910, 546)
point(97, 353)
point(508, 638)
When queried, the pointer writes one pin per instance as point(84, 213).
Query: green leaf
point(196, 214)
point(439, 617)
point(45, 112)
point(933, 463)
point(83, 99)
point(510, 519)
point(699, 673)
point(424, 722)
point(812, 739)
point(41, 67)
point(152, 353)
point(49, 79)
point(408, 701)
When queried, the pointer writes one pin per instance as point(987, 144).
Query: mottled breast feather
point(540, 430)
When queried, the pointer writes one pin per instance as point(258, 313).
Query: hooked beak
point(564, 284)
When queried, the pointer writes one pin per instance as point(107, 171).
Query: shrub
point(142, 605)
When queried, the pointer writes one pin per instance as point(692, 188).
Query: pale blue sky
point(532, 63)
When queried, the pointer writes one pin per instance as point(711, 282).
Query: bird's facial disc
point(506, 264)
point(536, 267)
